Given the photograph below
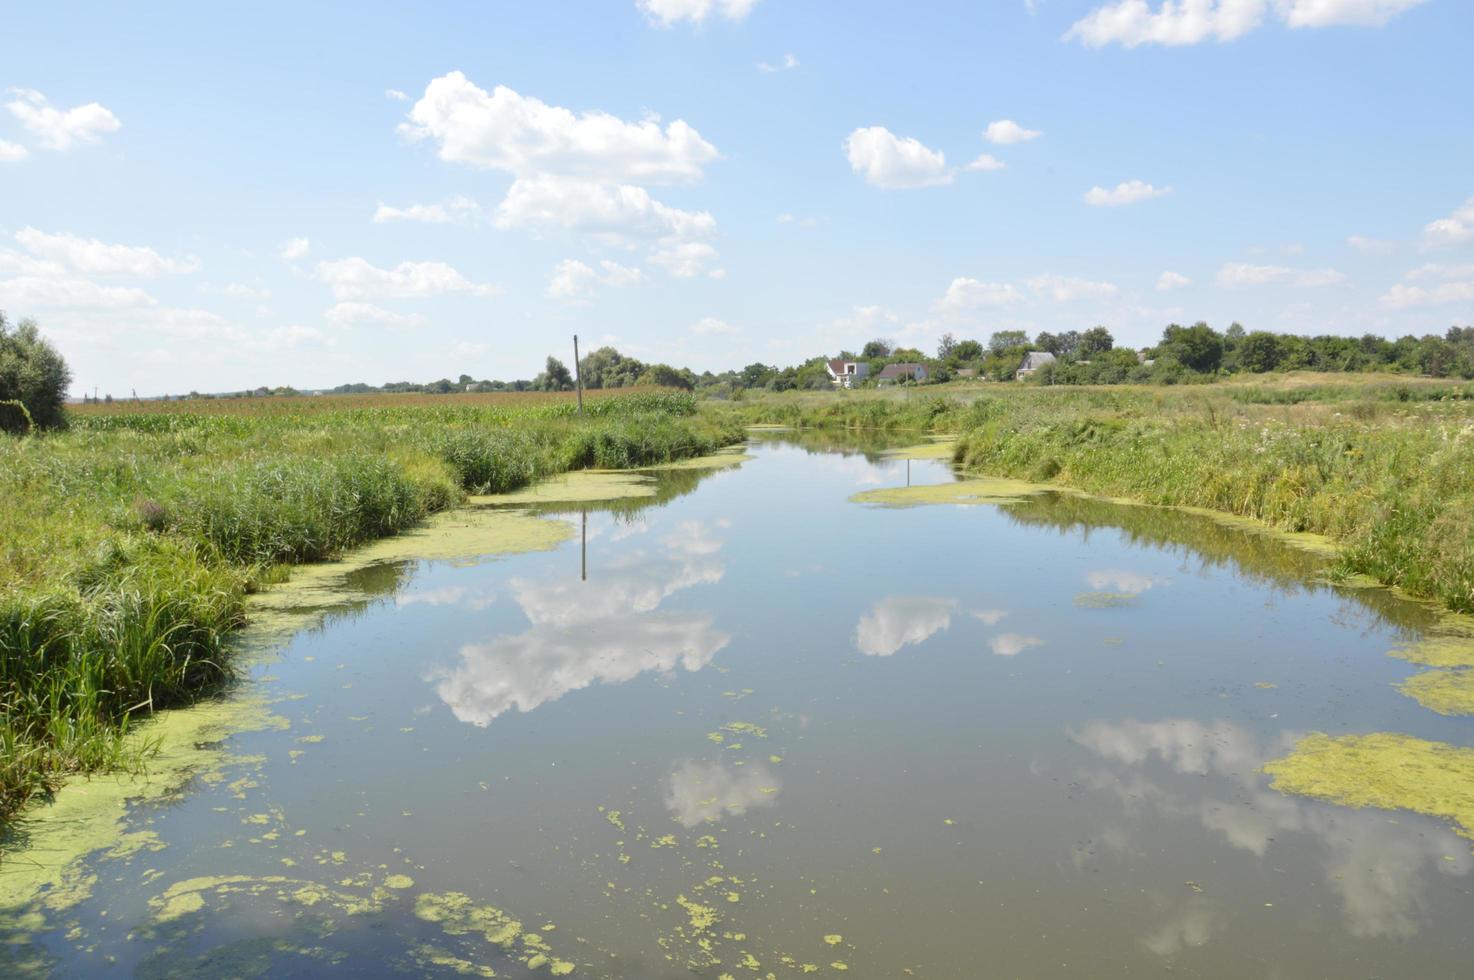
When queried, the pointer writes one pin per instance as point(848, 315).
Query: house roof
point(898, 371)
point(836, 364)
point(1036, 359)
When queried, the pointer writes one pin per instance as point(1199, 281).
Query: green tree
point(668, 377)
point(1095, 342)
point(946, 347)
point(555, 377)
point(1197, 348)
point(967, 350)
point(879, 347)
point(33, 373)
point(1260, 351)
point(1005, 339)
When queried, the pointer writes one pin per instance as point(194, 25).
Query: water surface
point(749, 727)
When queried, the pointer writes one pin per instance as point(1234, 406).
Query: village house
point(1033, 361)
point(895, 373)
point(846, 373)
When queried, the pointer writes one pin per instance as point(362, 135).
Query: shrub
point(33, 374)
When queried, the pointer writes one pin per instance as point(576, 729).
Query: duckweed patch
point(963, 492)
point(1448, 692)
point(1386, 770)
point(582, 486)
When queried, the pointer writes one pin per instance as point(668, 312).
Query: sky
point(221, 196)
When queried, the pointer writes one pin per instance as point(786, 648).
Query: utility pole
point(577, 374)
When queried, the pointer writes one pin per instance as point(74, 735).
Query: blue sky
point(195, 196)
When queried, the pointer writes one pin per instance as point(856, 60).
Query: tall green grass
point(128, 543)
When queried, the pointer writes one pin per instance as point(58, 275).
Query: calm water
point(955, 741)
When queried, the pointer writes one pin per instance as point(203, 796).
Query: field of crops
point(128, 541)
point(317, 404)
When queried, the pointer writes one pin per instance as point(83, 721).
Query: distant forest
point(1192, 354)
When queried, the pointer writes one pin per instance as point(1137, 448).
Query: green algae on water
point(937, 447)
point(963, 492)
point(1106, 600)
point(579, 486)
point(1448, 692)
point(1385, 770)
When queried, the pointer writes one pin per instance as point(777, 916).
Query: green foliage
point(32, 373)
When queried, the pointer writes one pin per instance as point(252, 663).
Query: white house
point(846, 373)
point(1033, 361)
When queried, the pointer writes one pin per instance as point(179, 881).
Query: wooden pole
point(577, 374)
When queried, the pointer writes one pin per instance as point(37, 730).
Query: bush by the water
point(33, 379)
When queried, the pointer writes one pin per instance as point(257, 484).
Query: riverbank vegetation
point(129, 539)
point(1384, 467)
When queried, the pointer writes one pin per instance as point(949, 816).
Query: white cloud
point(61, 129)
point(1128, 192)
point(965, 294)
point(788, 64)
point(436, 214)
point(1013, 644)
point(894, 162)
point(1401, 297)
point(617, 210)
point(686, 260)
point(901, 621)
point(70, 294)
point(295, 248)
point(1370, 246)
point(352, 314)
point(986, 161)
point(1456, 229)
point(1437, 270)
point(668, 12)
point(1066, 289)
point(1172, 280)
point(92, 257)
point(1134, 22)
point(1243, 274)
point(707, 326)
point(1326, 13)
point(11, 152)
point(243, 290)
point(1006, 132)
point(1176, 22)
point(357, 278)
point(576, 282)
point(394, 95)
point(524, 136)
point(990, 617)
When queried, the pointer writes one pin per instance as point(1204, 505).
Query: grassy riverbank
point(1384, 467)
point(128, 543)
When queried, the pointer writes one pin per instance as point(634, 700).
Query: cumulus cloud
point(357, 278)
point(1006, 132)
point(395, 95)
point(456, 208)
point(893, 162)
point(1127, 192)
point(990, 617)
point(1456, 229)
point(524, 136)
point(1131, 23)
point(788, 63)
point(1172, 280)
point(352, 314)
point(1244, 274)
point(710, 325)
point(901, 621)
point(11, 152)
point(965, 295)
point(577, 282)
point(668, 12)
point(295, 248)
point(70, 294)
point(1327, 13)
point(92, 257)
point(615, 210)
point(1402, 296)
point(986, 161)
point(1067, 289)
point(61, 129)
point(706, 792)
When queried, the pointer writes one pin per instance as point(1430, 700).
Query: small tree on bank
point(32, 373)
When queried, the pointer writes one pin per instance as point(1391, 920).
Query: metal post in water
point(577, 376)
point(583, 551)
